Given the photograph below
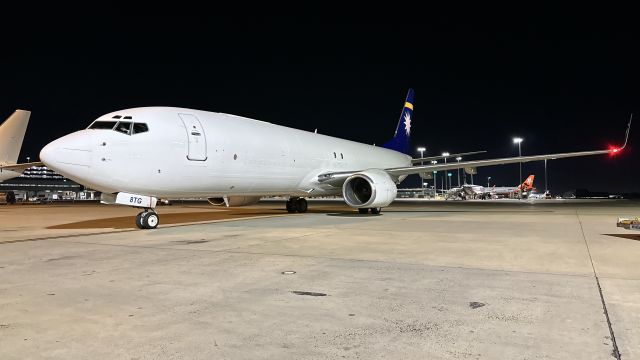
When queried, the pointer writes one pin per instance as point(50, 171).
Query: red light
point(613, 150)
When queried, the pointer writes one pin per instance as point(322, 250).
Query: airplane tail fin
point(400, 141)
point(11, 136)
point(527, 184)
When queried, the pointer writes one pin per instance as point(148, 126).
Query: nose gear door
point(197, 139)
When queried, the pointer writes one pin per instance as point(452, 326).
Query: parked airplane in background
point(12, 133)
point(136, 156)
point(470, 191)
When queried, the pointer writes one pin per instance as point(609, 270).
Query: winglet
point(615, 150)
point(626, 136)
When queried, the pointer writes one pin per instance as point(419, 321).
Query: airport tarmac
point(424, 280)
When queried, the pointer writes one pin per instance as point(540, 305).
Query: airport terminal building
point(41, 184)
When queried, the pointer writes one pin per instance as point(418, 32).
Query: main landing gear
point(296, 204)
point(148, 219)
point(374, 211)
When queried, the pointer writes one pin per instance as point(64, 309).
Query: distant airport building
point(415, 193)
point(40, 184)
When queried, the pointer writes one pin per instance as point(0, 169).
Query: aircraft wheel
point(376, 211)
point(139, 220)
point(363, 210)
point(301, 205)
point(291, 205)
point(150, 220)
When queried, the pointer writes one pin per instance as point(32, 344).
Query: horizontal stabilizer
point(19, 167)
point(430, 158)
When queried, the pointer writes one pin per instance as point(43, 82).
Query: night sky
point(561, 84)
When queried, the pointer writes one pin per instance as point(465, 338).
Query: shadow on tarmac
point(635, 237)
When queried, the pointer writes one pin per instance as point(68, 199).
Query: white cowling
point(234, 200)
point(371, 188)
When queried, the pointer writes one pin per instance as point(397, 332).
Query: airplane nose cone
point(69, 154)
point(48, 154)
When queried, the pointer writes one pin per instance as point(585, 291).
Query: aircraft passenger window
point(341, 156)
point(124, 127)
point(140, 128)
point(334, 155)
point(102, 125)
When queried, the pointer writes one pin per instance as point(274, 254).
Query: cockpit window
point(140, 128)
point(116, 117)
point(102, 125)
point(123, 127)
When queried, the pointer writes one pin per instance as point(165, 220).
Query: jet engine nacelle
point(234, 200)
point(369, 189)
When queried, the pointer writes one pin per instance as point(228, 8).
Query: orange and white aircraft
point(471, 191)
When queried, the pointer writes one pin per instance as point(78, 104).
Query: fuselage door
point(197, 139)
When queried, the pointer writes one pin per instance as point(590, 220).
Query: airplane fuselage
point(189, 153)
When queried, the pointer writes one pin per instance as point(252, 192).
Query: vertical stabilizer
point(527, 184)
point(400, 141)
point(11, 136)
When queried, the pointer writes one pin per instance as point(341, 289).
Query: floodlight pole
point(421, 149)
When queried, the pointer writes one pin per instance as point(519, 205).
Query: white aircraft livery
point(12, 133)
point(137, 156)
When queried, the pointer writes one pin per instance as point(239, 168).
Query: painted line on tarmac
point(616, 351)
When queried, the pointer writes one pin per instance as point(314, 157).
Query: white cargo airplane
point(136, 156)
point(12, 133)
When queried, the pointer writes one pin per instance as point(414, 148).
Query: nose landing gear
point(148, 219)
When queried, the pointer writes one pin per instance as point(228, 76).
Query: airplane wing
point(19, 167)
point(338, 178)
point(419, 160)
point(396, 172)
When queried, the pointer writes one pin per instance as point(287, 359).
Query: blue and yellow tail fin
point(401, 139)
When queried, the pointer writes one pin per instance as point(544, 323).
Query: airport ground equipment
point(629, 223)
